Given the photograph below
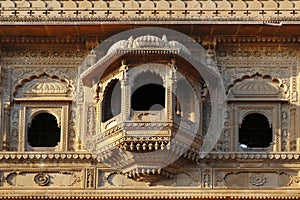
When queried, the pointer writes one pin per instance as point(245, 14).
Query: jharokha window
point(149, 97)
point(255, 131)
point(111, 105)
point(148, 93)
point(44, 131)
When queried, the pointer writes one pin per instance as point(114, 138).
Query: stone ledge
point(149, 193)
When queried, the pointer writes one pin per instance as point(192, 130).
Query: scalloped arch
point(108, 85)
point(250, 86)
point(257, 74)
point(136, 82)
point(34, 114)
point(55, 83)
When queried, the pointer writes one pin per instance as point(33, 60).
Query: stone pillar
point(125, 91)
point(170, 88)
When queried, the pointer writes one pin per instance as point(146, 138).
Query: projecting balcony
point(149, 107)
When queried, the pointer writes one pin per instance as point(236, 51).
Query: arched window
point(185, 101)
point(43, 131)
point(148, 93)
point(255, 131)
point(111, 104)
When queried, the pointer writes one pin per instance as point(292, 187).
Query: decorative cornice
point(253, 156)
point(92, 41)
point(245, 156)
point(270, 12)
point(45, 156)
point(149, 20)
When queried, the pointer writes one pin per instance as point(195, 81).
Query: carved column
point(293, 131)
point(170, 90)
point(125, 91)
point(98, 98)
point(6, 126)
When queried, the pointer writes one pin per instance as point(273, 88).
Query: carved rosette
point(257, 179)
point(42, 179)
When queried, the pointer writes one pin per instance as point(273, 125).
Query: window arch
point(255, 131)
point(44, 131)
point(111, 104)
point(148, 92)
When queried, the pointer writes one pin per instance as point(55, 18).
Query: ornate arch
point(151, 72)
point(107, 86)
point(266, 113)
point(43, 85)
point(54, 112)
point(250, 86)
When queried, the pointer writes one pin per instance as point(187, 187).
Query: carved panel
point(286, 135)
point(90, 178)
point(49, 179)
point(254, 179)
point(207, 178)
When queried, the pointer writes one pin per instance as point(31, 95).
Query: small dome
point(149, 41)
point(118, 45)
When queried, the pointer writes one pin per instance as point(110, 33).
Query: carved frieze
point(36, 57)
point(254, 179)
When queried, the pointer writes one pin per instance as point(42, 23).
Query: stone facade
point(216, 116)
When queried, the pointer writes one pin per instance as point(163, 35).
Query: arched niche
point(111, 103)
point(43, 131)
point(255, 131)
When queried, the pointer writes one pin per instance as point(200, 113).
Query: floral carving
point(257, 179)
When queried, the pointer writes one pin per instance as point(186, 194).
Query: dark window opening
point(148, 97)
point(43, 131)
point(255, 131)
point(111, 104)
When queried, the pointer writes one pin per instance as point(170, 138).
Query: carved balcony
point(149, 107)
